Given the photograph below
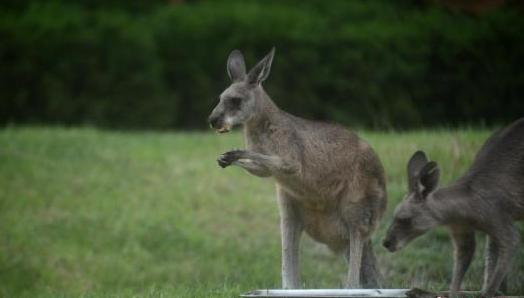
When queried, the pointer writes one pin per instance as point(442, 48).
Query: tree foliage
point(140, 64)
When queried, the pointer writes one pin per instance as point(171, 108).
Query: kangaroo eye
point(236, 101)
point(404, 221)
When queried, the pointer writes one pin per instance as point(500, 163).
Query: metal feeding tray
point(328, 293)
point(359, 293)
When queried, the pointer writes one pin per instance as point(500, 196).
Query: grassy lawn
point(88, 213)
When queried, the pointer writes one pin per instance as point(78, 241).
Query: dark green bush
point(61, 65)
point(380, 64)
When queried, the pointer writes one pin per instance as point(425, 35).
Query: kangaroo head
point(414, 216)
point(237, 104)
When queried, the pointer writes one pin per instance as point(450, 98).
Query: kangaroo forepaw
point(226, 159)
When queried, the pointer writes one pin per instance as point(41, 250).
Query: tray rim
point(327, 293)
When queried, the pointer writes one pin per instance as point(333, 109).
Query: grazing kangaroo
point(488, 197)
point(329, 182)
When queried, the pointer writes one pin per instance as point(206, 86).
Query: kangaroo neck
point(258, 130)
point(451, 204)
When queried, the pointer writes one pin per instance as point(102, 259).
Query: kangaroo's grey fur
point(489, 197)
point(329, 182)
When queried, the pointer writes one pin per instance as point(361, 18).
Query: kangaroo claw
point(226, 159)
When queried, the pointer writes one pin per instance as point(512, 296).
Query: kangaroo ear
point(261, 71)
point(236, 67)
point(415, 164)
point(428, 178)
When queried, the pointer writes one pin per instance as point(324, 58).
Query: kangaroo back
point(502, 155)
point(497, 172)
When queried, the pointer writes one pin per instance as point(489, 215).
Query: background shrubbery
point(151, 64)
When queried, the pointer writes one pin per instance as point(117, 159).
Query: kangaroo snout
point(213, 121)
point(219, 124)
point(218, 121)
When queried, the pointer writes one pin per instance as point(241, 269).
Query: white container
point(328, 293)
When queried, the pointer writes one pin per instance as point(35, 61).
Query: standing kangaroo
point(488, 197)
point(329, 182)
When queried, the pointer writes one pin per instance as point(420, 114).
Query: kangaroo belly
point(325, 227)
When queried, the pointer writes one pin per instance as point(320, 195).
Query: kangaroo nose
point(212, 120)
point(388, 244)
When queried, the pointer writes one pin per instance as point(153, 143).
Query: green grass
point(87, 213)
